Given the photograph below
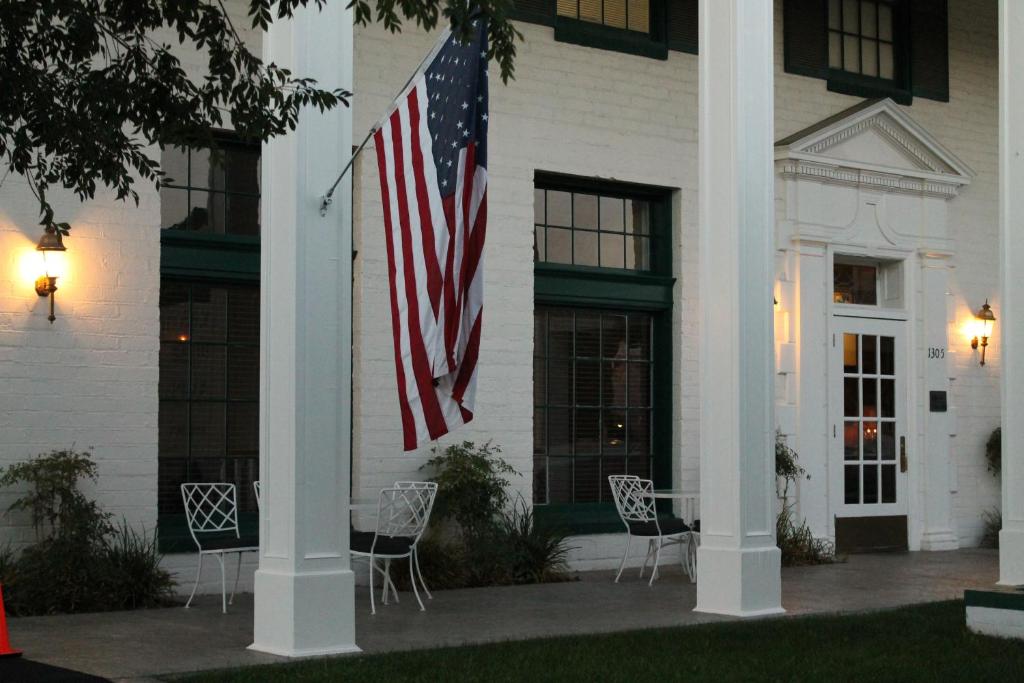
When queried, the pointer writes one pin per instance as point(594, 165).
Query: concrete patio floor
point(135, 646)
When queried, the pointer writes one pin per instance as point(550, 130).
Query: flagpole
point(325, 202)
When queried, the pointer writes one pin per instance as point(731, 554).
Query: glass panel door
point(867, 471)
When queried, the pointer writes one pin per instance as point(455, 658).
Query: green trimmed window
point(630, 15)
point(870, 48)
point(602, 345)
point(209, 330)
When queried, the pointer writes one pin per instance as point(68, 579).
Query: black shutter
point(681, 25)
point(929, 49)
point(535, 11)
point(804, 37)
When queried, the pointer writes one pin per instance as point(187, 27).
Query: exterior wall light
point(51, 249)
point(984, 318)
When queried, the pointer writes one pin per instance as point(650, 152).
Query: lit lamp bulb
point(51, 250)
point(983, 319)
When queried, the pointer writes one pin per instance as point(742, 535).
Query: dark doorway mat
point(21, 670)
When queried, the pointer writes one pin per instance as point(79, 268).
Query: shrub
point(471, 485)
point(993, 524)
point(787, 469)
point(798, 544)
point(80, 562)
point(492, 543)
point(994, 451)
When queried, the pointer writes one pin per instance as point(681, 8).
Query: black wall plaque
point(937, 401)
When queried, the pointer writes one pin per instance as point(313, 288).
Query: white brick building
point(595, 121)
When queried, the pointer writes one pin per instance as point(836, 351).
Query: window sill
point(868, 88)
point(602, 37)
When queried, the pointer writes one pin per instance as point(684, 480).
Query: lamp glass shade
point(985, 317)
point(51, 250)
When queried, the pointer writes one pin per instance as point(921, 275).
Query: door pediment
point(874, 144)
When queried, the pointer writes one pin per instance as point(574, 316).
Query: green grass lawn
point(922, 643)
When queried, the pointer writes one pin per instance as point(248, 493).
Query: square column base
point(943, 539)
point(997, 613)
point(741, 582)
point(1011, 557)
point(304, 615)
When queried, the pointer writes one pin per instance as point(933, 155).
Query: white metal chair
point(402, 516)
point(256, 489)
point(415, 551)
point(635, 503)
point(211, 510)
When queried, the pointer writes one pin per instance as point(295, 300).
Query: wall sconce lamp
point(985, 318)
point(51, 249)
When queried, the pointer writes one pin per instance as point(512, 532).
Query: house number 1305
point(936, 352)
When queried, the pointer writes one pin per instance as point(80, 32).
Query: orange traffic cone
point(5, 644)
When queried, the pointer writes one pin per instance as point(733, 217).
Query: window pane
point(855, 284)
point(539, 253)
point(243, 215)
point(587, 431)
point(639, 337)
point(851, 399)
point(888, 398)
point(851, 484)
point(585, 248)
point(207, 429)
point(173, 429)
point(173, 209)
point(559, 209)
point(888, 483)
point(639, 16)
point(833, 14)
point(538, 206)
point(206, 211)
point(174, 163)
point(638, 217)
point(851, 54)
point(540, 481)
point(870, 484)
point(584, 208)
point(560, 431)
point(560, 383)
point(242, 170)
point(590, 10)
point(560, 341)
point(613, 343)
point(639, 434)
point(851, 441)
point(888, 441)
point(243, 429)
point(244, 373)
point(615, 13)
point(612, 214)
point(884, 21)
point(567, 8)
point(588, 383)
point(244, 315)
point(869, 349)
point(868, 25)
point(869, 56)
point(870, 397)
point(835, 50)
point(202, 174)
point(209, 314)
point(613, 383)
point(886, 68)
point(871, 441)
point(209, 371)
point(588, 335)
point(850, 355)
point(851, 16)
point(173, 311)
point(559, 247)
point(173, 370)
point(638, 252)
point(612, 251)
point(888, 362)
point(639, 379)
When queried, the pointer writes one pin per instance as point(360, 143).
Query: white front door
point(867, 463)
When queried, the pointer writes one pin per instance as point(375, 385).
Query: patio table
point(362, 504)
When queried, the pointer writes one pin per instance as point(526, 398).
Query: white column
point(1011, 317)
point(304, 586)
point(738, 566)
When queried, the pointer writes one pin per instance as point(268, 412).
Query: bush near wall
point(81, 561)
point(479, 535)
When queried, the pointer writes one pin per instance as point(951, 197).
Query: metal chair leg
point(654, 572)
point(423, 583)
point(647, 558)
point(238, 572)
point(199, 572)
point(223, 585)
point(373, 608)
point(622, 565)
point(412, 580)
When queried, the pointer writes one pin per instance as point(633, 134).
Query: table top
point(673, 493)
point(362, 503)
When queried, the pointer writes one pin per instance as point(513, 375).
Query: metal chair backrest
point(258, 492)
point(634, 498)
point(405, 510)
point(210, 508)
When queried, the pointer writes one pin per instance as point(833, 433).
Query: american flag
point(432, 159)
